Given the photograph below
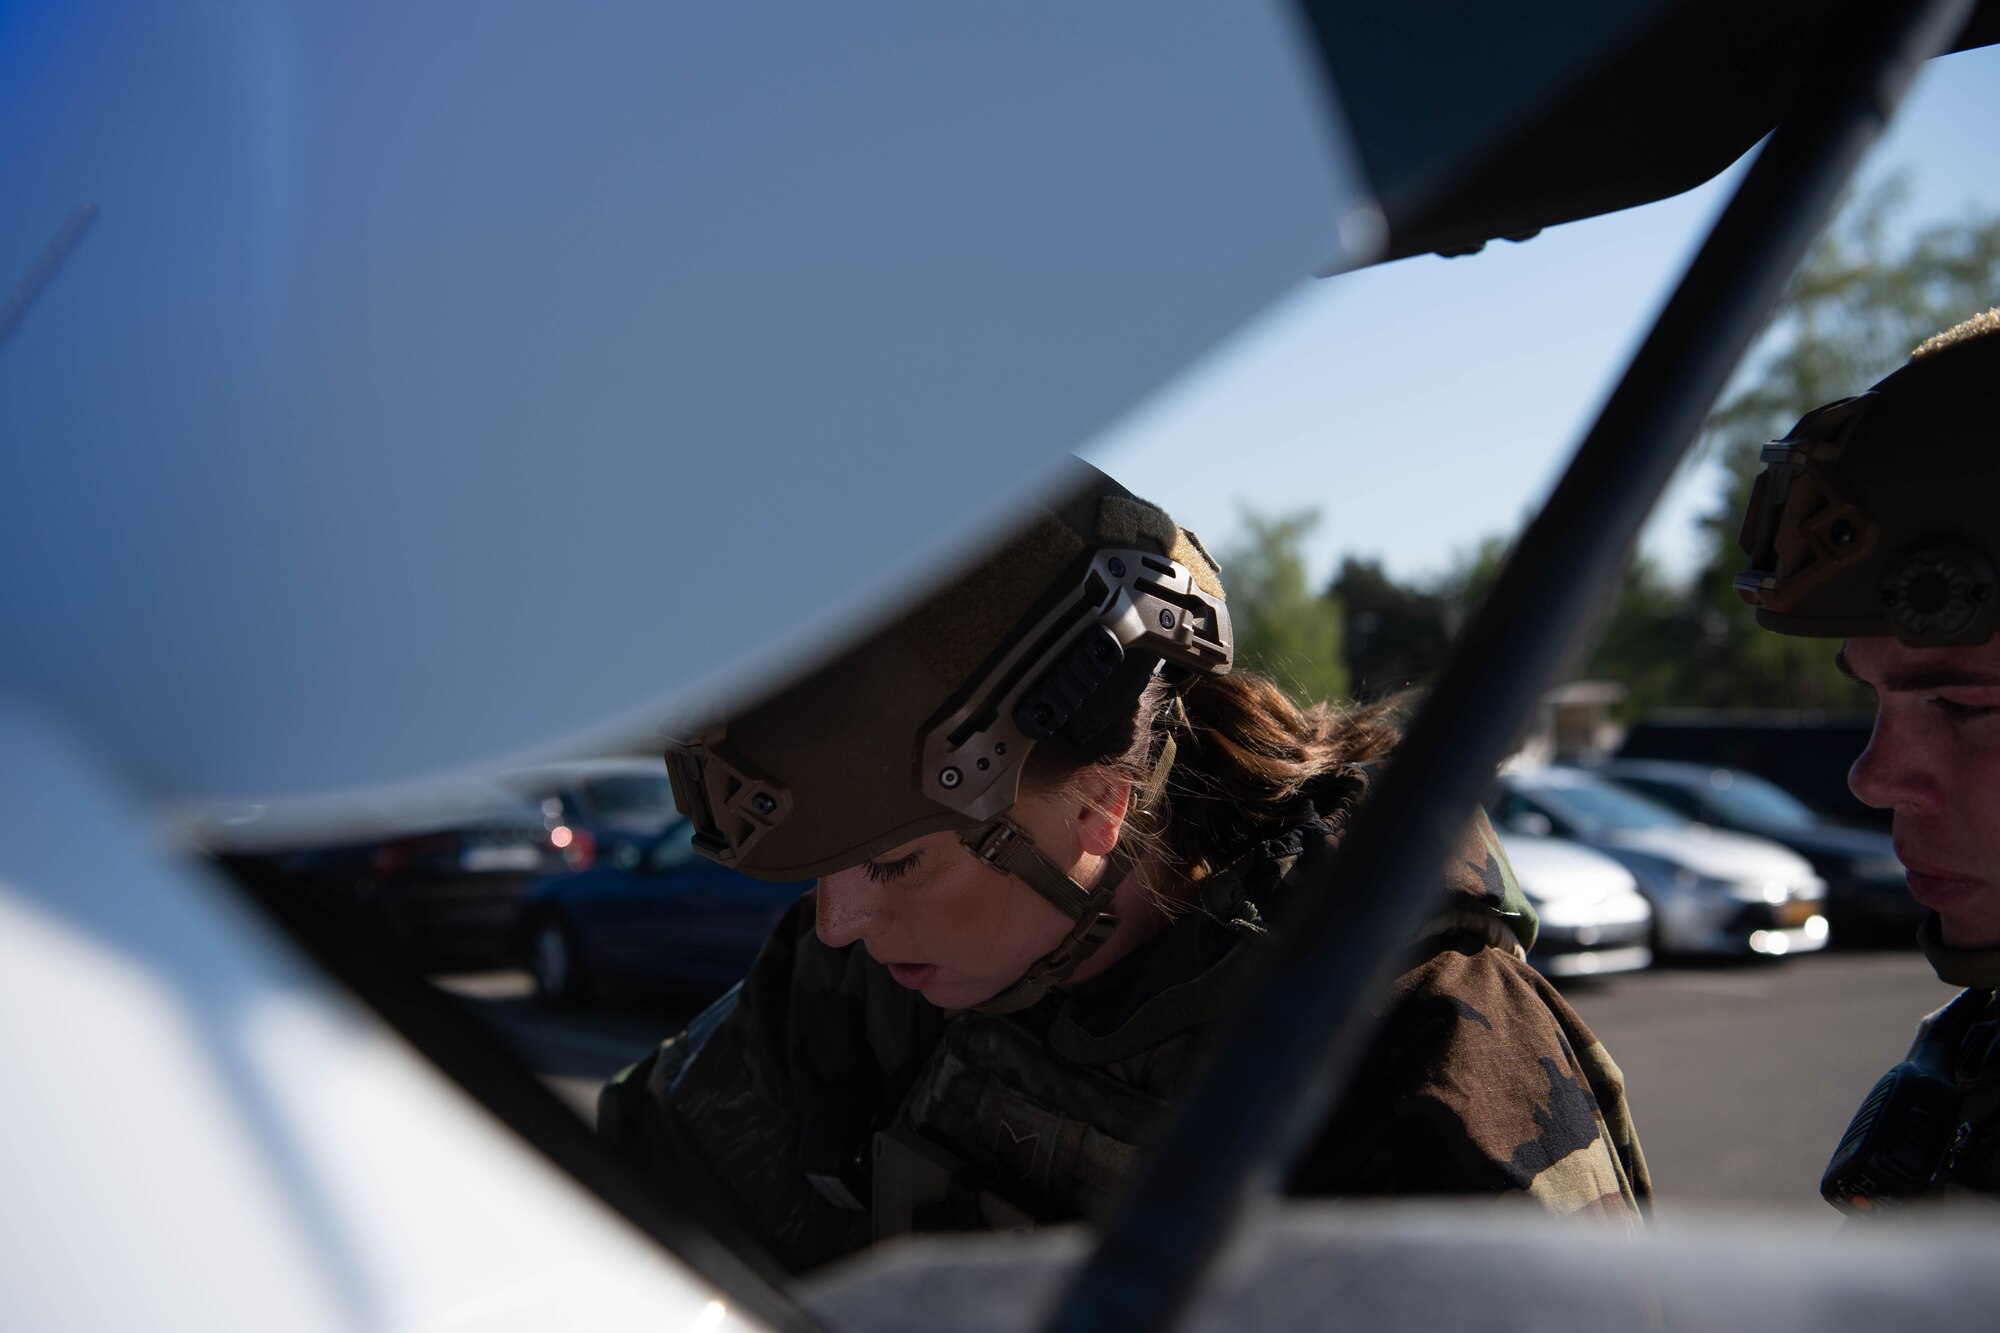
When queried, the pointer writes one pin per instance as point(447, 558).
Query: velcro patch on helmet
point(1979, 326)
point(1123, 521)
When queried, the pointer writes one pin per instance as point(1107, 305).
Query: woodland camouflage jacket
point(1481, 1082)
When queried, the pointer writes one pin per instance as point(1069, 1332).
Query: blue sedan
point(648, 916)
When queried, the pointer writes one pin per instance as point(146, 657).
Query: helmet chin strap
point(1009, 848)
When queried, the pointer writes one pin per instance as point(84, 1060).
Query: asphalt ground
point(573, 1048)
point(1741, 1077)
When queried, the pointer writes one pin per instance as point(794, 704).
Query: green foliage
point(1850, 316)
point(1471, 576)
point(1865, 296)
point(1644, 646)
point(1396, 636)
point(1282, 628)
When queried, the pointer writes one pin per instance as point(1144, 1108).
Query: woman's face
point(952, 928)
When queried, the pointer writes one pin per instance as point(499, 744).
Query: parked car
point(1712, 891)
point(440, 872)
point(650, 916)
point(595, 801)
point(1867, 896)
point(1594, 919)
point(1807, 752)
point(436, 874)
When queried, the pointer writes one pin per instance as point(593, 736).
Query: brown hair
point(1245, 756)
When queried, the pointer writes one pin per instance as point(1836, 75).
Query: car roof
point(1680, 772)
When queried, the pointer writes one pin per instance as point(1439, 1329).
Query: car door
point(688, 915)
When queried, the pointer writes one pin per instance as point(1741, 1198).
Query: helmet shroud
point(1880, 514)
point(924, 725)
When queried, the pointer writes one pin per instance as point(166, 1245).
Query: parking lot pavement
point(1741, 1077)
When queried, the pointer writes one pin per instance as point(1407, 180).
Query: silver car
point(1594, 919)
point(1712, 891)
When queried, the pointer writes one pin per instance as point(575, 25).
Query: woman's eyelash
point(884, 871)
point(1953, 709)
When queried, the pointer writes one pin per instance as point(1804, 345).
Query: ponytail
point(1245, 756)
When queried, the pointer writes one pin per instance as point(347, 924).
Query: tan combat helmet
point(924, 726)
point(1880, 514)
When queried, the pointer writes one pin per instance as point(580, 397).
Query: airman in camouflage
point(1051, 830)
point(811, 1086)
point(1877, 521)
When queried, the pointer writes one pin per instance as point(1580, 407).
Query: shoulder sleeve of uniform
point(1480, 878)
point(1484, 1081)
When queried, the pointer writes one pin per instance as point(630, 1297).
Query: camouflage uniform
point(1483, 1081)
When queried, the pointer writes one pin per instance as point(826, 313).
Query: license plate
point(514, 856)
point(1796, 912)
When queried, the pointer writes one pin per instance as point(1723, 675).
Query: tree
point(1864, 297)
point(1856, 307)
point(1644, 644)
point(1396, 635)
point(1282, 629)
point(1471, 576)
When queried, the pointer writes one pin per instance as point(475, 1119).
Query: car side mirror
point(1531, 822)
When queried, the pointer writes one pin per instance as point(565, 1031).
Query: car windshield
point(1594, 804)
point(675, 848)
point(1747, 799)
point(632, 794)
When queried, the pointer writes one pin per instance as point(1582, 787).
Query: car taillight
point(578, 848)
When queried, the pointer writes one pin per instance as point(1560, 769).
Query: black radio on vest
point(1897, 1142)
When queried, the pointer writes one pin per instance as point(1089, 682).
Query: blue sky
point(1422, 405)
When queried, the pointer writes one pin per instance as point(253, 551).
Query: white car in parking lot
point(1712, 891)
point(1594, 919)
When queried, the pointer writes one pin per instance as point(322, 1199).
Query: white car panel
point(203, 1134)
point(1593, 919)
point(409, 340)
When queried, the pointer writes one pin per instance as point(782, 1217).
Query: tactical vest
point(996, 1133)
point(1972, 1162)
point(1930, 1127)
